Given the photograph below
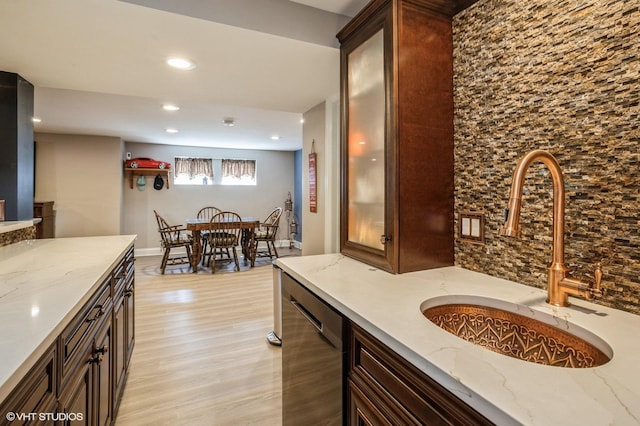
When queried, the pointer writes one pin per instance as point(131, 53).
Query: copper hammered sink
point(515, 335)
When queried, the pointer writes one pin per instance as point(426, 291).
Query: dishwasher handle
point(303, 311)
point(328, 323)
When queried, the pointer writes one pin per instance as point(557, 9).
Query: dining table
point(248, 225)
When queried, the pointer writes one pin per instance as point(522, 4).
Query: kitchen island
point(46, 286)
point(503, 389)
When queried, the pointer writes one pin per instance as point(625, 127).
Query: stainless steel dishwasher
point(313, 358)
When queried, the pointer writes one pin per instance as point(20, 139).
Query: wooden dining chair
point(266, 234)
point(206, 213)
point(224, 233)
point(173, 237)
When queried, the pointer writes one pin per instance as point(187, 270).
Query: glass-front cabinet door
point(364, 232)
point(365, 143)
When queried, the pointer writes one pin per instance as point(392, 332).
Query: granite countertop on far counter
point(14, 225)
point(43, 284)
point(504, 389)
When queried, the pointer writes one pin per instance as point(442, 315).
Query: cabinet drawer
point(123, 273)
point(82, 328)
point(36, 393)
point(404, 388)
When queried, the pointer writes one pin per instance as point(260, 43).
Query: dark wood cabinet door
point(123, 340)
point(119, 346)
point(363, 412)
point(103, 377)
point(130, 320)
point(368, 156)
point(76, 402)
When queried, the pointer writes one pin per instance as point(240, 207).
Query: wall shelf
point(133, 173)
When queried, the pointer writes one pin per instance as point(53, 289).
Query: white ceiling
point(98, 67)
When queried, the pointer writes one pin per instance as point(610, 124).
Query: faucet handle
point(597, 276)
point(595, 289)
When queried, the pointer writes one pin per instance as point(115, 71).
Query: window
point(193, 171)
point(238, 172)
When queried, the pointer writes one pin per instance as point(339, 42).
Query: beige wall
point(178, 203)
point(313, 224)
point(331, 175)
point(82, 175)
point(321, 230)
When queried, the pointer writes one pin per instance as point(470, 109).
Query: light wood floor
point(201, 355)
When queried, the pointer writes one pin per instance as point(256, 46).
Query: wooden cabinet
point(81, 378)
point(46, 227)
point(385, 389)
point(397, 136)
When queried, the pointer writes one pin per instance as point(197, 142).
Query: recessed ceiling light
point(229, 121)
point(170, 107)
point(170, 130)
point(181, 63)
point(275, 137)
point(36, 120)
point(302, 121)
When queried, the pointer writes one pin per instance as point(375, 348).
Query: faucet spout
point(559, 285)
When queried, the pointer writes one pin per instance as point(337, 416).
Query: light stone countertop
point(43, 284)
point(14, 225)
point(504, 389)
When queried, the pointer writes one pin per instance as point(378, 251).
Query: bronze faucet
point(560, 286)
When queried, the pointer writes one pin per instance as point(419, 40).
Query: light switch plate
point(471, 227)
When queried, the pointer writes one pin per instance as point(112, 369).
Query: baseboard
point(285, 243)
point(157, 251)
point(154, 251)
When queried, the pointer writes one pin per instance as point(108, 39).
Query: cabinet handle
point(384, 239)
point(95, 360)
point(101, 311)
point(103, 350)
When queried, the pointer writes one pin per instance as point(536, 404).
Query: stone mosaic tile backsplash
point(563, 76)
point(28, 233)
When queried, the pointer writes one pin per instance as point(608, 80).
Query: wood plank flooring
point(201, 355)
